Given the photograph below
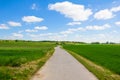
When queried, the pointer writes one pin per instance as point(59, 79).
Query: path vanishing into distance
point(63, 66)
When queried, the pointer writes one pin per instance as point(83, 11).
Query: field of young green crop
point(107, 56)
point(13, 55)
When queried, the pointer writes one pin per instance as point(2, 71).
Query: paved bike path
point(63, 66)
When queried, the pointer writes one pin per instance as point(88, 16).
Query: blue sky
point(66, 20)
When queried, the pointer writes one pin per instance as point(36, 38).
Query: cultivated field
point(19, 60)
point(107, 56)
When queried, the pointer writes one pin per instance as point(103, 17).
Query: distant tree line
point(58, 42)
point(103, 43)
point(13, 41)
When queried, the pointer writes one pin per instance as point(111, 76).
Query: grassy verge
point(25, 71)
point(100, 72)
point(103, 55)
point(20, 60)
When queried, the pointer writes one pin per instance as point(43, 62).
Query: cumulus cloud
point(72, 30)
point(103, 14)
point(70, 10)
point(3, 26)
point(32, 19)
point(73, 23)
point(34, 6)
point(96, 27)
point(30, 30)
point(41, 35)
point(58, 37)
point(48, 36)
point(17, 35)
point(115, 9)
point(36, 29)
point(41, 28)
point(66, 32)
point(106, 13)
point(64, 35)
point(117, 23)
point(14, 24)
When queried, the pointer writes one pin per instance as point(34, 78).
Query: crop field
point(107, 56)
point(18, 59)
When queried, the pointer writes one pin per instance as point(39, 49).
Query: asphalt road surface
point(63, 66)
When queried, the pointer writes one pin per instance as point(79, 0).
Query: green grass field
point(15, 57)
point(107, 56)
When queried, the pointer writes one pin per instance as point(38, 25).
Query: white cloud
point(34, 6)
point(72, 30)
point(36, 29)
point(14, 24)
point(41, 28)
point(48, 36)
point(17, 35)
point(104, 14)
point(32, 19)
point(76, 29)
point(3, 26)
point(104, 37)
point(66, 32)
point(58, 37)
point(115, 9)
point(71, 10)
point(74, 23)
point(96, 27)
point(117, 23)
point(40, 35)
point(30, 30)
